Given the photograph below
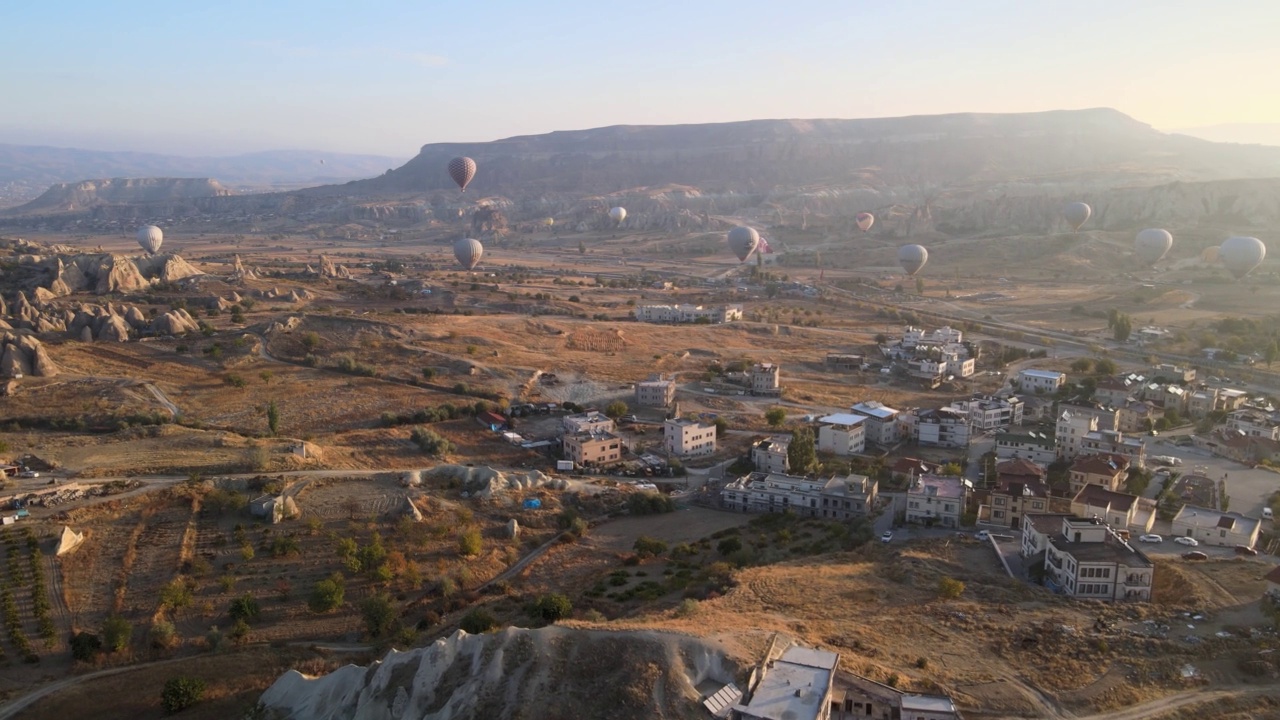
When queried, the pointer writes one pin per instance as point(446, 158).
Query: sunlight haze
point(390, 76)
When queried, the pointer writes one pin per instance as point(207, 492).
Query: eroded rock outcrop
point(24, 355)
point(595, 673)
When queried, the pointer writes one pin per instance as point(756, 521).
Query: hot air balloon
point(912, 258)
point(150, 237)
point(462, 170)
point(1241, 255)
point(1077, 214)
point(1151, 245)
point(468, 252)
point(548, 221)
point(743, 241)
point(618, 214)
point(864, 220)
point(1209, 254)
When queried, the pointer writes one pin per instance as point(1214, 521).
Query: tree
point(952, 469)
point(266, 376)
point(615, 409)
point(1272, 353)
point(327, 594)
point(1123, 328)
point(379, 614)
point(646, 546)
point(311, 340)
point(722, 427)
point(552, 607)
point(181, 693)
point(1104, 366)
point(244, 608)
point(775, 416)
point(919, 286)
point(802, 452)
point(582, 248)
point(116, 633)
point(273, 418)
point(85, 646)
point(1081, 365)
point(478, 621)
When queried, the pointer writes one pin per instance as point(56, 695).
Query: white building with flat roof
point(796, 686)
point(842, 434)
point(1212, 527)
point(688, 438)
point(592, 421)
point(881, 422)
point(1041, 381)
point(687, 313)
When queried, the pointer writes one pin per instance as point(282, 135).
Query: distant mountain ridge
point(953, 150)
point(28, 170)
point(68, 197)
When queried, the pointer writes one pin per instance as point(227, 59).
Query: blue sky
point(386, 77)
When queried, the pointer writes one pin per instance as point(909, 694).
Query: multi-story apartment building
point(687, 313)
point(842, 434)
point(1121, 511)
point(766, 379)
point(1105, 469)
point(592, 421)
point(1040, 381)
point(937, 500)
point(1038, 447)
point(987, 413)
point(593, 449)
point(688, 438)
point(838, 498)
point(1086, 559)
point(944, 427)
point(770, 454)
point(655, 392)
point(881, 422)
point(1115, 442)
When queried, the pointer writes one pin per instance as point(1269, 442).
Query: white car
point(1189, 542)
point(982, 535)
point(28, 474)
point(1151, 539)
point(887, 536)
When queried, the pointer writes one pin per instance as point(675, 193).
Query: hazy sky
point(386, 77)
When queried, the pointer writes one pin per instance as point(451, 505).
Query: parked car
point(1245, 550)
point(1189, 542)
point(1151, 539)
point(1267, 514)
point(982, 535)
point(887, 536)
point(28, 474)
point(1194, 555)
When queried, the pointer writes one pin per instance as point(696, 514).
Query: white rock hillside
point(553, 672)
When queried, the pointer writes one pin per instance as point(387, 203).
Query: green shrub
point(478, 621)
point(552, 607)
point(181, 693)
point(950, 588)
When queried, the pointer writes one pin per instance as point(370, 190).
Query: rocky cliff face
point(550, 673)
point(122, 191)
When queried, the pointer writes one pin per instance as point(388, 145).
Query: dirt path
point(56, 597)
point(1164, 705)
point(163, 399)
